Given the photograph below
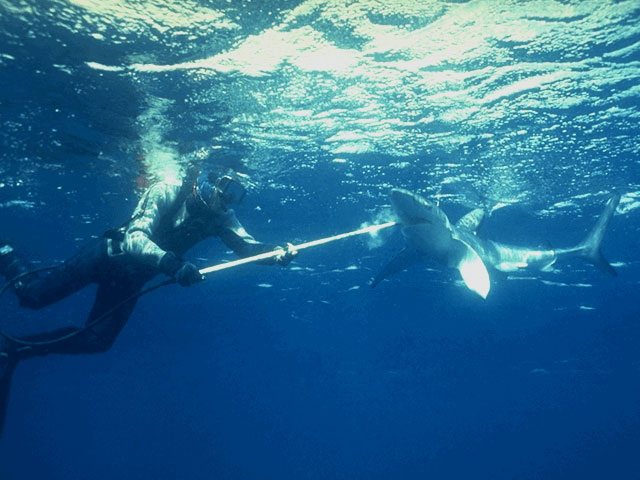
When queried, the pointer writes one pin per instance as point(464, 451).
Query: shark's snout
point(410, 208)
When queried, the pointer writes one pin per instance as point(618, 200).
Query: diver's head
point(219, 189)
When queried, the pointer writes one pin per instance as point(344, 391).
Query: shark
point(432, 237)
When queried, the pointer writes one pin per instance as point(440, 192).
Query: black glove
point(188, 274)
point(185, 273)
point(289, 254)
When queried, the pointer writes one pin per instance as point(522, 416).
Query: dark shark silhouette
point(430, 236)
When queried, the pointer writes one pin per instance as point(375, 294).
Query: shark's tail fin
point(589, 248)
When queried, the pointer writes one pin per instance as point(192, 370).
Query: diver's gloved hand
point(188, 274)
point(287, 255)
point(185, 273)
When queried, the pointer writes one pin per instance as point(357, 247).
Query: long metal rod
point(302, 246)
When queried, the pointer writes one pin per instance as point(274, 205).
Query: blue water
point(305, 372)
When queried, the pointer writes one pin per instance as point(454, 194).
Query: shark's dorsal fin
point(472, 269)
point(401, 261)
point(472, 220)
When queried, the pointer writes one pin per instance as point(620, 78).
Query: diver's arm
point(243, 244)
point(239, 240)
point(156, 202)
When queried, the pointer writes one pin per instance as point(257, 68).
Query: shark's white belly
point(429, 240)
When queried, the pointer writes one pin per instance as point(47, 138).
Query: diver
point(168, 220)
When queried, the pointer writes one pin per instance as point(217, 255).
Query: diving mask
point(214, 190)
point(230, 190)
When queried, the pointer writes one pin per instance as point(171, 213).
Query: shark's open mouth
point(415, 220)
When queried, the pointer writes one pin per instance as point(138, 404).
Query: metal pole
point(302, 246)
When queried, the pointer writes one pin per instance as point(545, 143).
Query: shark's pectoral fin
point(401, 261)
point(472, 269)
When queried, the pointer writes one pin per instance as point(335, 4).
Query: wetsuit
point(168, 221)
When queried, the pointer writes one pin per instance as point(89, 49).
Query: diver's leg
point(95, 338)
point(112, 307)
point(111, 310)
point(37, 291)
